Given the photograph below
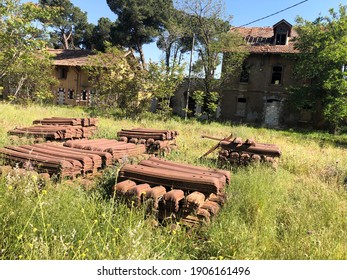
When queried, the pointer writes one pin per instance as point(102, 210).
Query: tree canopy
point(70, 25)
point(207, 23)
point(321, 66)
point(138, 22)
point(21, 64)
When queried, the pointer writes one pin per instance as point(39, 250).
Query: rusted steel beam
point(173, 198)
point(155, 136)
point(195, 198)
point(137, 193)
point(105, 157)
point(189, 168)
point(87, 162)
point(75, 163)
point(251, 149)
point(122, 187)
point(163, 165)
point(171, 179)
point(216, 146)
point(44, 164)
point(96, 159)
point(212, 207)
point(154, 195)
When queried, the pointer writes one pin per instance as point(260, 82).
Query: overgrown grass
point(298, 211)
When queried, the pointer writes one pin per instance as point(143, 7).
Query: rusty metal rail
point(182, 192)
point(157, 141)
point(57, 128)
point(240, 153)
point(74, 158)
point(120, 151)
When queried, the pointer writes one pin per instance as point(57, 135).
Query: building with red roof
point(259, 94)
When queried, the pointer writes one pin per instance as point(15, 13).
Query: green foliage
point(101, 35)
point(207, 23)
point(296, 212)
point(19, 34)
point(321, 66)
point(25, 82)
point(22, 67)
point(138, 22)
point(70, 25)
point(163, 84)
point(199, 96)
point(121, 85)
point(176, 39)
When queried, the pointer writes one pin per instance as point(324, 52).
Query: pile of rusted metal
point(57, 128)
point(74, 158)
point(157, 141)
point(241, 153)
point(174, 191)
point(119, 150)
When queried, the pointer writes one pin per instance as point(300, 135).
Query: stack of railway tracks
point(157, 141)
point(57, 128)
point(174, 191)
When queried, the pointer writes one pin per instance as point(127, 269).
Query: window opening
point(276, 75)
point(71, 93)
point(84, 94)
point(281, 39)
point(63, 73)
point(241, 107)
point(244, 77)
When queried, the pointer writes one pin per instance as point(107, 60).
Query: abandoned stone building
point(259, 93)
point(73, 85)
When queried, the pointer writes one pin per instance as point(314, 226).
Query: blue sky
point(242, 11)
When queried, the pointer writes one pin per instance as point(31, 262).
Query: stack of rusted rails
point(174, 191)
point(74, 158)
point(119, 150)
point(44, 162)
point(157, 141)
point(241, 153)
point(57, 128)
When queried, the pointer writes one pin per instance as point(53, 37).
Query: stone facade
point(74, 87)
point(259, 94)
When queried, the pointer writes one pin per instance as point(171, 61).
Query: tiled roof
point(70, 57)
point(261, 39)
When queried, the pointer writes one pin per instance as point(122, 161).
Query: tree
point(102, 34)
point(30, 78)
point(174, 41)
point(212, 35)
point(321, 66)
point(163, 84)
point(22, 66)
point(18, 34)
point(70, 25)
point(139, 22)
point(120, 84)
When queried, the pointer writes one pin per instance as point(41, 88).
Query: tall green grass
point(298, 211)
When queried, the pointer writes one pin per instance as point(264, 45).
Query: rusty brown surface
point(193, 169)
point(241, 153)
point(172, 179)
point(122, 187)
point(187, 194)
point(118, 149)
point(156, 141)
point(73, 158)
point(57, 128)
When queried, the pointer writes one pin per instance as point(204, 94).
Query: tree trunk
point(66, 40)
point(142, 56)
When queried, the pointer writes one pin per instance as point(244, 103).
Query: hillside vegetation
point(298, 211)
